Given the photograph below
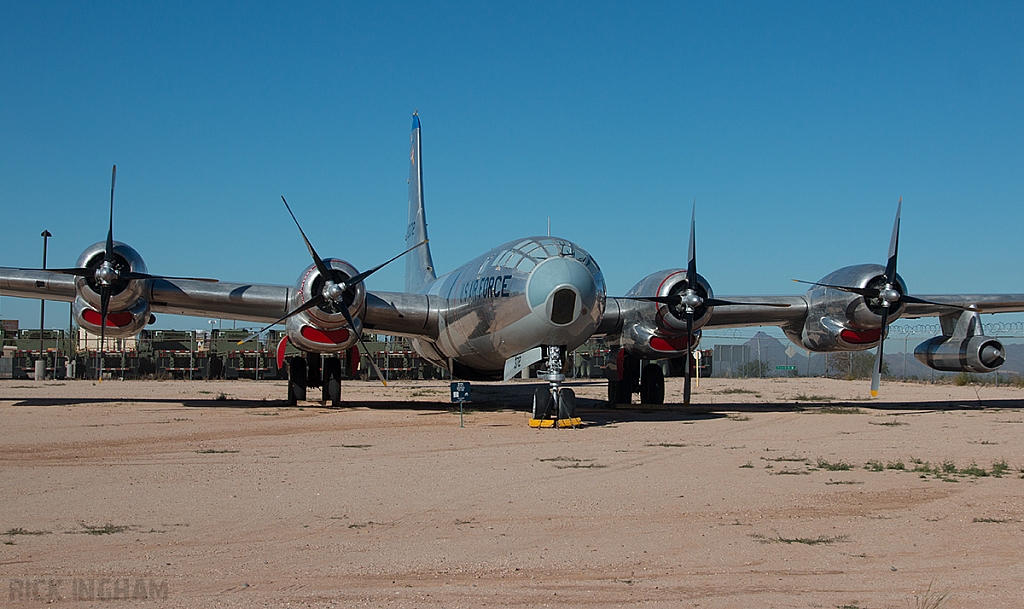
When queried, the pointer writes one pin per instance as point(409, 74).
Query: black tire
point(314, 377)
point(630, 376)
point(613, 393)
point(652, 385)
point(332, 382)
point(296, 380)
point(566, 403)
point(542, 403)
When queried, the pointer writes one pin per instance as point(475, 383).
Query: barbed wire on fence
point(996, 329)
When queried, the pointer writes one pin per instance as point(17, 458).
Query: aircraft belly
point(484, 334)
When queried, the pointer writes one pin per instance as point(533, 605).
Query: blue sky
point(796, 126)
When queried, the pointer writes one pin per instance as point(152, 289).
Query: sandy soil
point(160, 489)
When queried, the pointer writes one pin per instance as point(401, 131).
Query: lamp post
point(41, 374)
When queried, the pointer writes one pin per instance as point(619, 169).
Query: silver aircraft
point(529, 300)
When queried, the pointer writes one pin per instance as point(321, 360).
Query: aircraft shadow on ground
point(519, 397)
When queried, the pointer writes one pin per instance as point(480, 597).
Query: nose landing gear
point(554, 405)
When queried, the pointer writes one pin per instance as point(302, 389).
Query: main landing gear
point(554, 400)
point(304, 373)
point(627, 378)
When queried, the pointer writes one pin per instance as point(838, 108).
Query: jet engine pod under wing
point(963, 347)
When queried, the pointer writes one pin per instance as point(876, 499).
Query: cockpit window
point(526, 254)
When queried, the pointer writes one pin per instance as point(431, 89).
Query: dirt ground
point(775, 493)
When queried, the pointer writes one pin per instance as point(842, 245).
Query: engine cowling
point(128, 311)
point(842, 321)
point(956, 354)
point(323, 329)
point(657, 330)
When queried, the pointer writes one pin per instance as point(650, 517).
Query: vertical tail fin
point(419, 266)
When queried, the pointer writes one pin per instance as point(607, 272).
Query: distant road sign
point(785, 367)
point(460, 392)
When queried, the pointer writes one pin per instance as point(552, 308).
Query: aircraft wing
point(984, 303)
point(37, 284)
point(386, 312)
point(748, 311)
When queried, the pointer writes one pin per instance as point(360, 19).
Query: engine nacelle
point(120, 324)
point(956, 354)
point(128, 310)
point(323, 329)
point(655, 330)
point(124, 294)
point(842, 321)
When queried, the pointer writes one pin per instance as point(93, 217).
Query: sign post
point(460, 394)
point(697, 356)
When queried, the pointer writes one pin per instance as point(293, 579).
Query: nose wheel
point(554, 405)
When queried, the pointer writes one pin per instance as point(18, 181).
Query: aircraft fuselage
point(525, 293)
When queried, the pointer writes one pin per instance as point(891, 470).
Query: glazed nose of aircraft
point(562, 290)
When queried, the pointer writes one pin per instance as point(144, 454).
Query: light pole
point(42, 314)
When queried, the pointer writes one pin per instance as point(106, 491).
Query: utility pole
point(42, 314)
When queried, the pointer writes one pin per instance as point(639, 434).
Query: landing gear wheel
point(566, 403)
point(296, 380)
point(613, 393)
point(332, 382)
point(652, 385)
point(541, 403)
point(313, 376)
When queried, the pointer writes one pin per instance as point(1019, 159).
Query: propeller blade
point(133, 275)
point(865, 292)
point(916, 300)
point(104, 309)
point(78, 272)
point(672, 299)
point(676, 299)
point(108, 253)
point(320, 266)
point(366, 350)
point(361, 276)
point(691, 264)
point(312, 302)
point(689, 354)
point(129, 275)
point(876, 371)
point(717, 302)
point(894, 243)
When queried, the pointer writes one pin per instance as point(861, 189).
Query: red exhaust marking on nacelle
point(669, 344)
point(114, 320)
point(281, 346)
point(326, 337)
point(861, 338)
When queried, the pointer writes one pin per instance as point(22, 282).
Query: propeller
point(334, 292)
point(887, 295)
point(687, 303)
point(111, 270)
